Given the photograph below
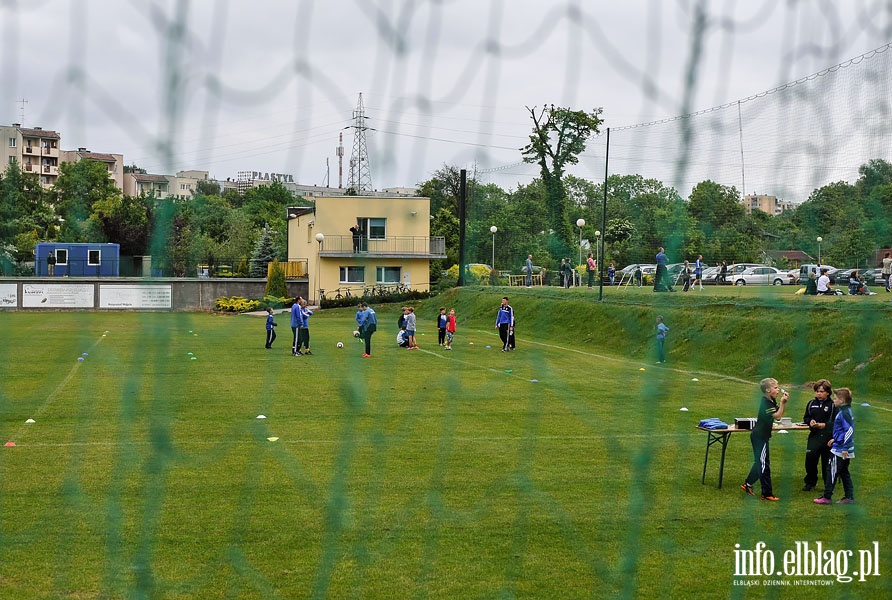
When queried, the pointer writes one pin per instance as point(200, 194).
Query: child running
point(450, 328)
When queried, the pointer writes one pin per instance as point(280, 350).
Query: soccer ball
point(340, 344)
point(356, 334)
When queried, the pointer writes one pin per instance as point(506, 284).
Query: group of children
point(833, 450)
point(408, 324)
point(300, 328)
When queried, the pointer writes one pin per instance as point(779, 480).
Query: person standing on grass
point(769, 412)
point(410, 329)
point(819, 415)
point(638, 275)
point(51, 264)
point(528, 267)
point(842, 448)
point(723, 273)
point(590, 267)
point(661, 277)
point(296, 320)
point(611, 274)
point(270, 328)
point(505, 324)
point(304, 332)
point(698, 271)
point(450, 328)
point(662, 330)
point(442, 320)
point(368, 325)
point(887, 269)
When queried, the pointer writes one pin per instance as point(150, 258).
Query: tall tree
point(558, 138)
point(79, 186)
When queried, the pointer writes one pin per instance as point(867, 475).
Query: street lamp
point(580, 223)
point(319, 238)
point(820, 239)
point(493, 230)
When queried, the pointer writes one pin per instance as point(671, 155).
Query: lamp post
point(820, 239)
point(319, 238)
point(580, 223)
point(493, 230)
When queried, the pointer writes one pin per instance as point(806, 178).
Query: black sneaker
point(747, 488)
point(308, 353)
point(298, 353)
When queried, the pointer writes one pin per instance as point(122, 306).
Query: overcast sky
point(268, 85)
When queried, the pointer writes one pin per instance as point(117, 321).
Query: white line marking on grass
point(52, 396)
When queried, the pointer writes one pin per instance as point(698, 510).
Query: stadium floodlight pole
point(319, 238)
point(820, 239)
point(493, 230)
point(580, 223)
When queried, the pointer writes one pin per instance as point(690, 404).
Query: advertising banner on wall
point(57, 295)
point(9, 295)
point(134, 296)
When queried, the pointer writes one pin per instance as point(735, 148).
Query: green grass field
point(431, 474)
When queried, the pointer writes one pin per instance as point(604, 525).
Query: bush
point(384, 298)
point(275, 284)
point(236, 304)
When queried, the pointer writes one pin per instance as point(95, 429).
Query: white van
point(804, 271)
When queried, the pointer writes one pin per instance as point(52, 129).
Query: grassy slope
point(420, 473)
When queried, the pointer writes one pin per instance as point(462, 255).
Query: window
point(352, 275)
point(375, 229)
point(11, 159)
point(93, 257)
point(388, 274)
point(12, 142)
point(61, 256)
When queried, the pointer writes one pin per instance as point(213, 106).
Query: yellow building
point(391, 243)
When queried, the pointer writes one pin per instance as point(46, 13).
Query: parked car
point(764, 276)
point(873, 276)
point(804, 270)
point(711, 275)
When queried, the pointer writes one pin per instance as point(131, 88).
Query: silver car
point(764, 276)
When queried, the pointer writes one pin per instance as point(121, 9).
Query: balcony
point(29, 167)
point(29, 150)
point(409, 246)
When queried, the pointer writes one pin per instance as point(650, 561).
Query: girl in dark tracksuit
point(819, 415)
point(270, 328)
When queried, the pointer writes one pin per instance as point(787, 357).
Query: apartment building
point(767, 204)
point(35, 149)
point(154, 186)
point(114, 163)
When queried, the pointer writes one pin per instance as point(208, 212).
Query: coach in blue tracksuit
point(505, 325)
point(297, 321)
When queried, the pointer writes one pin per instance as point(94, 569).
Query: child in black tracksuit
point(270, 331)
point(442, 321)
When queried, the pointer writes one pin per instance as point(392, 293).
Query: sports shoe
point(823, 500)
point(807, 488)
point(747, 488)
point(846, 501)
point(307, 353)
point(366, 355)
point(297, 354)
point(772, 498)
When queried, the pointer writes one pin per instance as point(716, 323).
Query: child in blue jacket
point(842, 447)
point(270, 331)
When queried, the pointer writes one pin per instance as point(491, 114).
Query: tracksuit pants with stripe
point(761, 469)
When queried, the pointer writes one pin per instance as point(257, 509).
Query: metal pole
point(603, 219)
point(462, 199)
point(493, 252)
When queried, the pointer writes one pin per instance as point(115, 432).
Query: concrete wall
point(185, 294)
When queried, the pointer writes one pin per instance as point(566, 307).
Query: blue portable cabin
point(78, 259)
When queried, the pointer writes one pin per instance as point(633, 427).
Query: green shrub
point(275, 283)
point(236, 304)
